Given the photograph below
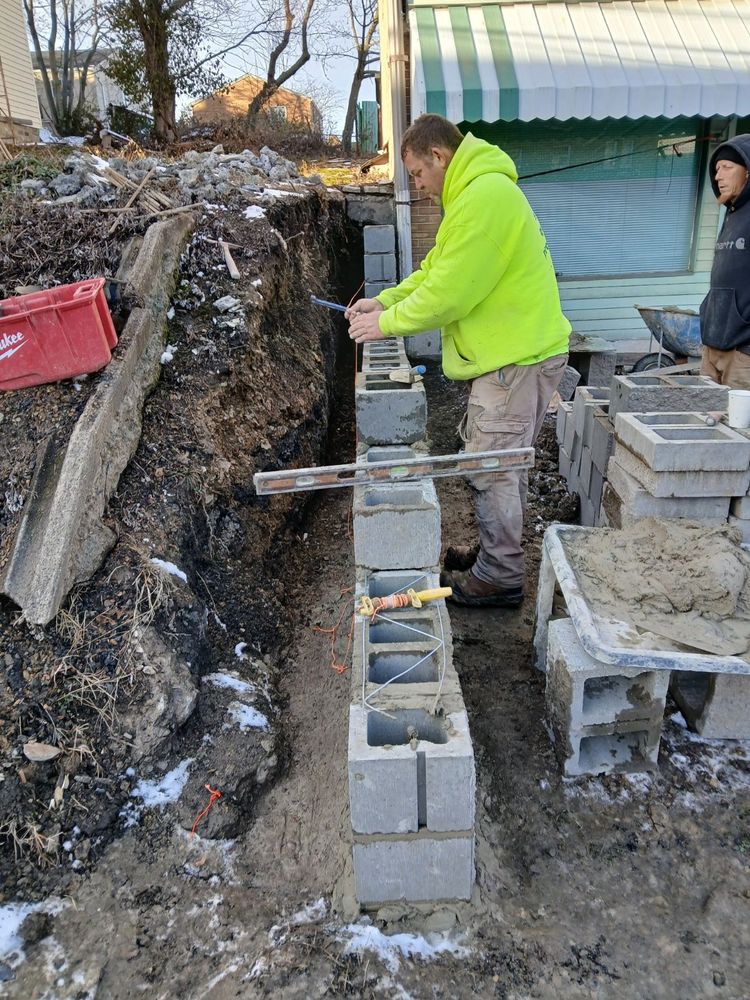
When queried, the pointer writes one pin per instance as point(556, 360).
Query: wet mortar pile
point(155, 687)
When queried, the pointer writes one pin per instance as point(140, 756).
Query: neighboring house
point(610, 111)
point(233, 100)
point(17, 91)
point(103, 95)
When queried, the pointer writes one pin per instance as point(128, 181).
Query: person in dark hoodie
point(725, 311)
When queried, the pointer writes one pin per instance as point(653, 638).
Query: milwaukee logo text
point(10, 343)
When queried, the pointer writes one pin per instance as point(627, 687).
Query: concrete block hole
point(608, 696)
point(405, 724)
point(384, 586)
point(390, 454)
point(394, 632)
point(401, 496)
point(606, 753)
point(394, 666)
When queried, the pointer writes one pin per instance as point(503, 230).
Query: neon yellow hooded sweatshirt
point(489, 282)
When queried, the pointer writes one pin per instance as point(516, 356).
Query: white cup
point(739, 408)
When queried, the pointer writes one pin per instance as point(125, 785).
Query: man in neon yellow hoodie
point(489, 284)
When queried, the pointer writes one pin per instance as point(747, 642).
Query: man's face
point(429, 171)
point(730, 179)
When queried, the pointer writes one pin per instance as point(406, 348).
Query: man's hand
point(365, 326)
point(363, 306)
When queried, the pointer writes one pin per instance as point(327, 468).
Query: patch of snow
point(239, 650)
point(49, 138)
point(170, 312)
point(99, 162)
point(170, 568)
point(257, 282)
point(232, 967)
point(12, 915)
point(246, 716)
point(391, 949)
point(223, 680)
point(157, 792)
point(279, 193)
point(254, 212)
point(167, 357)
point(310, 914)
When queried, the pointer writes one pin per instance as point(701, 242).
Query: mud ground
point(635, 887)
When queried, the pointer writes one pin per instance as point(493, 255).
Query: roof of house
point(252, 76)
point(523, 61)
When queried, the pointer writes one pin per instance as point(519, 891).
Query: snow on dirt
point(390, 949)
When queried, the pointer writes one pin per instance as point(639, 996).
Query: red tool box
point(56, 334)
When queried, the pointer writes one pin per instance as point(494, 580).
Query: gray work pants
point(506, 409)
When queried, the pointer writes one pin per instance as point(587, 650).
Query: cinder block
point(587, 512)
point(610, 515)
point(569, 434)
point(380, 239)
point(563, 463)
point(653, 393)
point(602, 442)
point(380, 267)
point(596, 488)
point(587, 396)
point(382, 783)
point(589, 416)
point(740, 507)
point(631, 746)
point(667, 442)
point(388, 413)
point(569, 381)
point(602, 366)
point(410, 770)
point(584, 472)
point(564, 410)
point(638, 503)
point(715, 705)
point(414, 869)
point(583, 692)
point(698, 483)
point(396, 526)
point(374, 288)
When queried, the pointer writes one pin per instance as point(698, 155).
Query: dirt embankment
point(115, 682)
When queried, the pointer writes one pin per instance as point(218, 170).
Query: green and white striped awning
point(616, 59)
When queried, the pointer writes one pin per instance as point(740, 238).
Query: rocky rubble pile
point(196, 177)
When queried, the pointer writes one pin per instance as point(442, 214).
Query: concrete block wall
point(411, 769)
point(602, 718)
point(581, 448)
point(380, 255)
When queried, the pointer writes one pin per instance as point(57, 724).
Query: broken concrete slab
point(61, 539)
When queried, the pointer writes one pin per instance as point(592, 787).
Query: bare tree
point(168, 47)
point(64, 66)
point(295, 30)
point(363, 24)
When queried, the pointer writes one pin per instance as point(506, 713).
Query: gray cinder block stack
point(602, 718)
point(411, 767)
point(674, 465)
point(380, 259)
point(581, 451)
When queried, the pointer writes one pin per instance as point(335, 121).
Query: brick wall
point(425, 219)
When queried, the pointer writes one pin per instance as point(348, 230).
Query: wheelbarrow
point(676, 331)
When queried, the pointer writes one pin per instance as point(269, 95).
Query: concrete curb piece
point(61, 539)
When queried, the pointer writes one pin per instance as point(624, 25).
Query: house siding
point(17, 69)
point(233, 102)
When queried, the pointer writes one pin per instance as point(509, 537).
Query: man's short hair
point(427, 132)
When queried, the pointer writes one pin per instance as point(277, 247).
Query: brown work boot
point(460, 556)
point(472, 592)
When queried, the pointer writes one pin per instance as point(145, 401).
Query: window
point(626, 205)
point(277, 113)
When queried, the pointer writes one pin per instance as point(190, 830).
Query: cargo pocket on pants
point(492, 433)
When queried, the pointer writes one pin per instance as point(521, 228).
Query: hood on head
point(740, 144)
point(473, 158)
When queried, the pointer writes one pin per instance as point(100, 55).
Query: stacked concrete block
point(576, 425)
point(389, 412)
point(380, 259)
point(674, 465)
point(411, 764)
point(716, 705)
point(602, 718)
point(653, 393)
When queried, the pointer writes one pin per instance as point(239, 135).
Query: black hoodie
point(725, 311)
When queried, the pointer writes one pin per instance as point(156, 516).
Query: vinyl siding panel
point(16, 60)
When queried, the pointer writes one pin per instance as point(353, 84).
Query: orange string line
point(215, 795)
point(340, 668)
